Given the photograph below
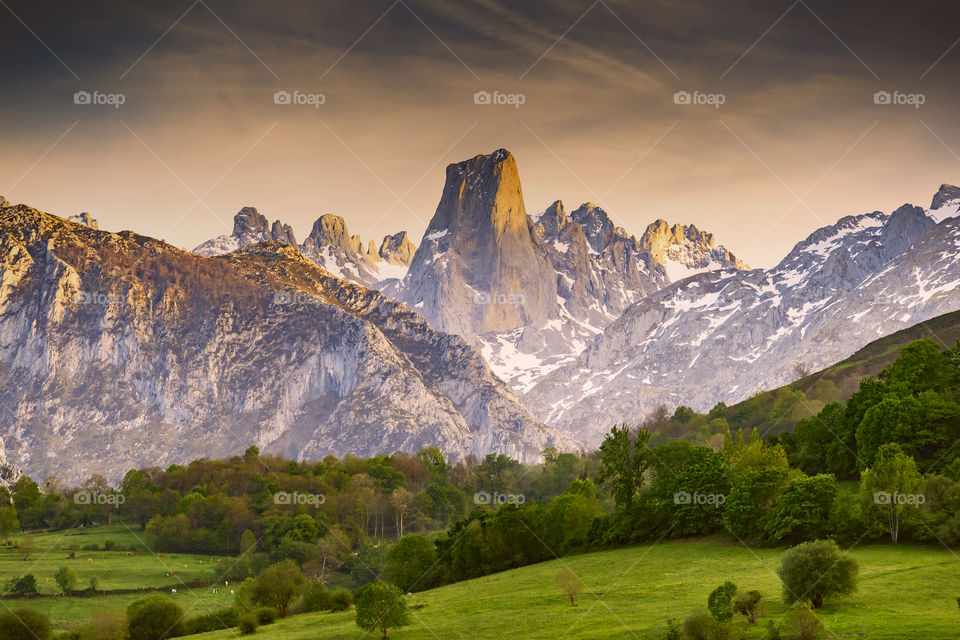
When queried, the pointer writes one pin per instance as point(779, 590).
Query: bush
point(24, 624)
point(265, 615)
point(315, 598)
point(802, 622)
point(773, 631)
point(817, 570)
point(154, 618)
point(25, 586)
point(341, 598)
point(674, 630)
point(247, 623)
point(109, 545)
point(66, 579)
point(213, 621)
point(748, 605)
point(720, 602)
point(105, 625)
point(700, 625)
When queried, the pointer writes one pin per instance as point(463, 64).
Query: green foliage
point(570, 585)
point(315, 597)
point(340, 599)
point(277, 586)
point(803, 623)
point(382, 607)
point(890, 487)
point(720, 602)
point(803, 508)
point(747, 604)
point(700, 625)
point(8, 522)
point(66, 579)
point(154, 618)
point(23, 586)
point(816, 570)
point(247, 623)
point(24, 624)
point(409, 562)
point(623, 462)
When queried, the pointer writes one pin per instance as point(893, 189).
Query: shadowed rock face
point(397, 249)
point(478, 268)
point(119, 351)
point(945, 194)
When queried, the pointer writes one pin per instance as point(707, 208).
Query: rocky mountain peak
point(85, 219)
point(945, 194)
point(331, 230)
point(249, 221)
point(597, 225)
point(282, 233)
point(4, 202)
point(397, 249)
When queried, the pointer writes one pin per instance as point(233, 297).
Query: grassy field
point(113, 570)
point(905, 592)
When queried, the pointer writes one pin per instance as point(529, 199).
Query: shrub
point(24, 624)
point(674, 630)
point(25, 586)
point(154, 618)
point(817, 570)
point(265, 615)
point(277, 586)
point(247, 623)
point(105, 625)
point(213, 621)
point(802, 622)
point(342, 599)
point(720, 602)
point(700, 625)
point(748, 605)
point(773, 631)
point(66, 579)
point(570, 585)
point(315, 598)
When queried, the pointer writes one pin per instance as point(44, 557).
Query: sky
point(782, 133)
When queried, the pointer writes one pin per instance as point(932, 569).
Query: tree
point(381, 606)
point(720, 602)
point(409, 561)
point(623, 461)
point(817, 570)
point(748, 605)
point(803, 509)
point(24, 624)
point(154, 618)
point(27, 544)
point(400, 500)
point(277, 586)
point(570, 584)
point(890, 486)
point(8, 523)
point(66, 579)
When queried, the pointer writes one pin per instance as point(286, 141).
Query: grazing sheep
point(173, 590)
point(231, 591)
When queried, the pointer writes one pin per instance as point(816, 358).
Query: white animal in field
point(173, 590)
point(231, 592)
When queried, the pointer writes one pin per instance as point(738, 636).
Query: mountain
point(329, 245)
point(723, 335)
point(531, 292)
point(119, 351)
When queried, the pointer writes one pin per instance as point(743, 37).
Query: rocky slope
point(533, 291)
point(329, 245)
point(118, 351)
point(726, 334)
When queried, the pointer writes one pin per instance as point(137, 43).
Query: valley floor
point(904, 592)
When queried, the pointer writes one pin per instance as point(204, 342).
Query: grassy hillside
point(905, 592)
point(114, 570)
point(778, 409)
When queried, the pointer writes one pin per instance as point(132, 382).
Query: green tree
point(409, 561)
point(154, 618)
point(802, 622)
point(277, 586)
point(8, 523)
point(890, 486)
point(570, 585)
point(24, 624)
point(23, 586)
point(803, 509)
point(66, 579)
point(747, 604)
point(720, 602)
point(381, 606)
point(816, 570)
point(623, 460)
